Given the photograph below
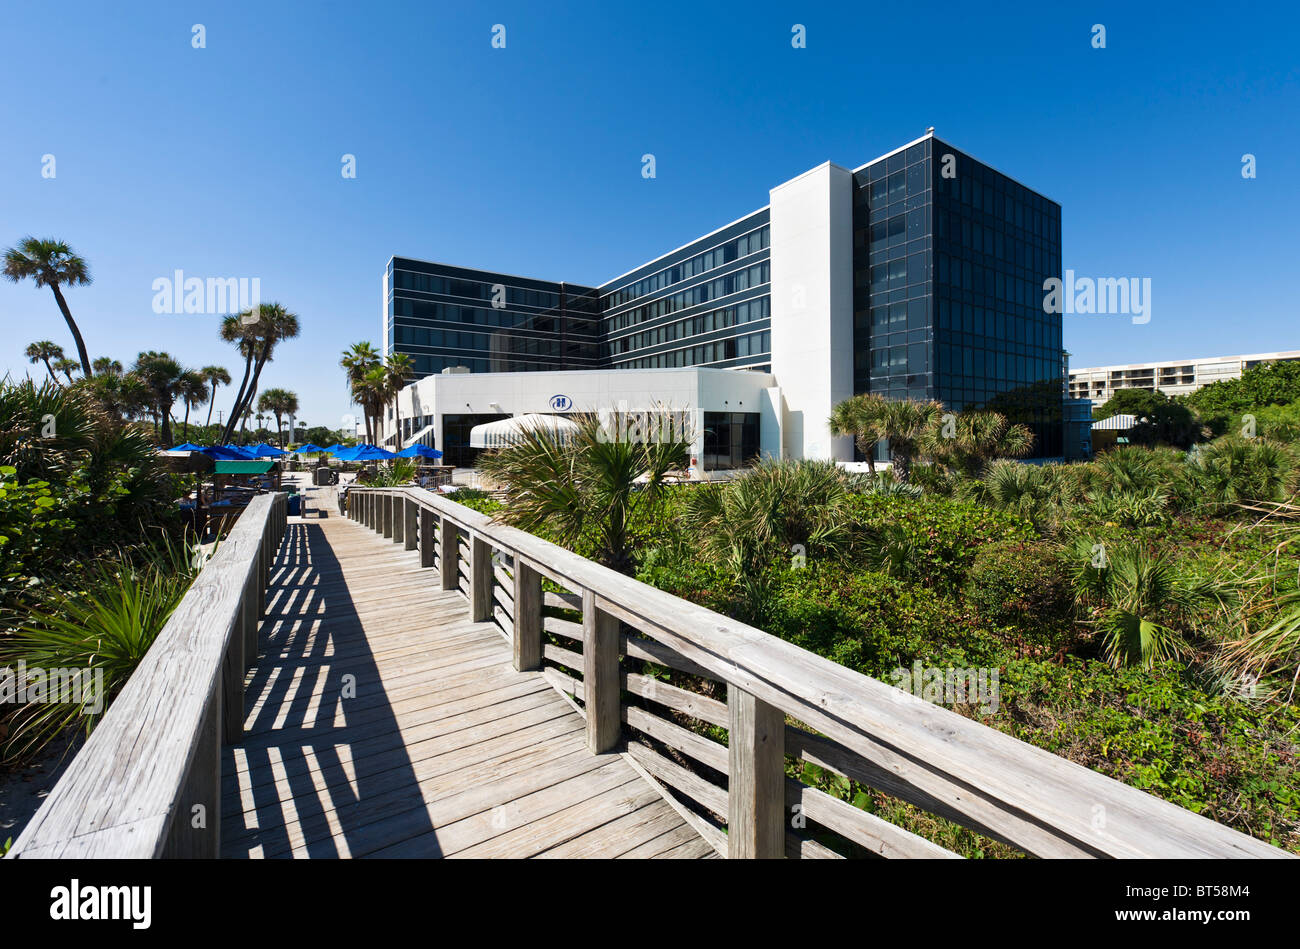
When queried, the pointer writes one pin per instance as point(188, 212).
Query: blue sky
point(225, 161)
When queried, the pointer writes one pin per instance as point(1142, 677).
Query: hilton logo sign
point(561, 403)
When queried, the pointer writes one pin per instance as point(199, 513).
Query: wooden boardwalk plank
point(381, 722)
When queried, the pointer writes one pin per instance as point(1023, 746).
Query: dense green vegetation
point(1141, 610)
point(91, 553)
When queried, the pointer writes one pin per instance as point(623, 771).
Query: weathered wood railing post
point(410, 522)
point(600, 678)
point(756, 785)
point(398, 505)
point(426, 537)
point(480, 579)
point(527, 638)
point(386, 507)
point(448, 552)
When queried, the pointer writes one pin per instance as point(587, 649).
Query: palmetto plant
point(47, 352)
point(1235, 470)
point(51, 263)
point(1132, 508)
point(884, 483)
point(587, 488)
point(772, 512)
point(45, 429)
point(1042, 494)
point(862, 417)
point(1136, 594)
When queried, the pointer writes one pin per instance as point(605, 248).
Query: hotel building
point(1172, 377)
point(917, 275)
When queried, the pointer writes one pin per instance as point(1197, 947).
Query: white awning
point(508, 430)
point(1116, 423)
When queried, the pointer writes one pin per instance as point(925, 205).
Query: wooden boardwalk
point(381, 722)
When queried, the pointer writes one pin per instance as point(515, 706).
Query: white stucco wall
point(812, 306)
point(693, 390)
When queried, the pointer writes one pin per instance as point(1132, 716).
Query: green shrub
point(1024, 587)
point(1231, 761)
point(873, 623)
point(931, 540)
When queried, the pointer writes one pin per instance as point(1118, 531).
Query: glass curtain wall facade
point(445, 316)
point(950, 257)
point(705, 304)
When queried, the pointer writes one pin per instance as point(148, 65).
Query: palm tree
point(399, 369)
point(193, 391)
point(67, 367)
point(977, 438)
point(861, 417)
point(214, 376)
point(45, 351)
point(105, 366)
point(906, 424)
point(51, 263)
point(278, 402)
point(585, 488)
point(262, 328)
point(357, 360)
point(244, 336)
point(162, 376)
point(374, 391)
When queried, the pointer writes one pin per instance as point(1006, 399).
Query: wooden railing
point(147, 782)
point(773, 701)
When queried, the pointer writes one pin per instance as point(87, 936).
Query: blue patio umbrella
point(310, 449)
point(364, 453)
point(419, 451)
point(188, 446)
point(264, 450)
point(228, 453)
